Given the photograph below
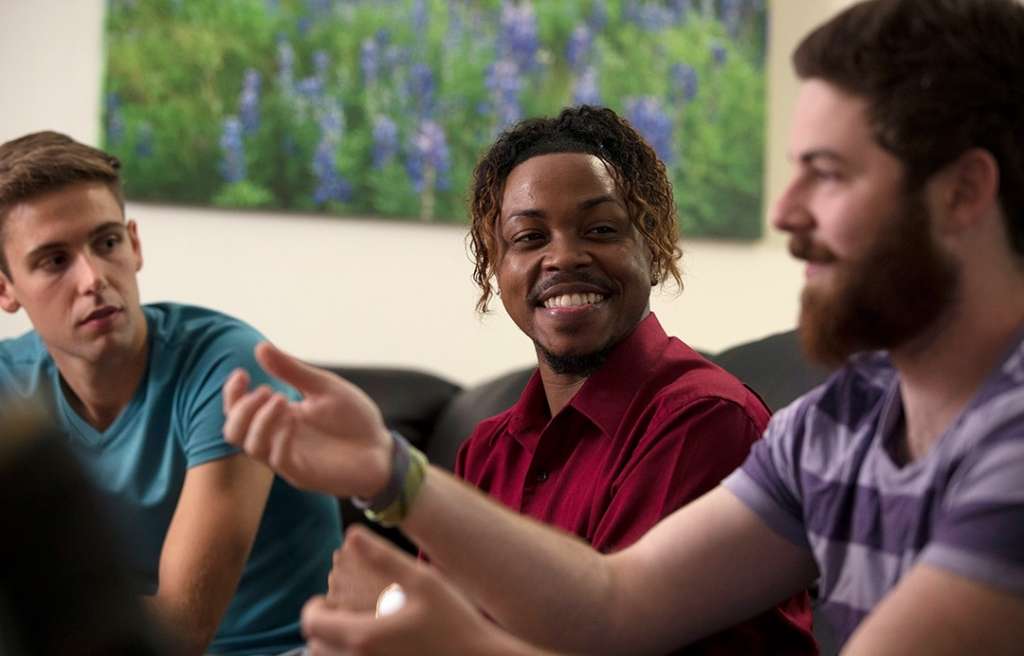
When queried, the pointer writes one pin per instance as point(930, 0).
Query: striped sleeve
point(767, 483)
point(979, 531)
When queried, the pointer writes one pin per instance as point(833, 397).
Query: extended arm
point(711, 564)
point(207, 545)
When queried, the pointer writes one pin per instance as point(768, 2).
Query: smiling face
point(573, 272)
point(876, 276)
point(73, 263)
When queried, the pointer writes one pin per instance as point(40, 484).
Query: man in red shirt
point(620, 424)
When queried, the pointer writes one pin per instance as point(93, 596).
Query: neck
point(559, 388)
point(98, 392)
point(942, 370)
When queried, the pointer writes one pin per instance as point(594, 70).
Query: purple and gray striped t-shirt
point(823, 477)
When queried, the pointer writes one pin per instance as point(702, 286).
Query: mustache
point(804, 248)
point(561, 278)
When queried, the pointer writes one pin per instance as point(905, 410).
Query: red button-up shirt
point(653, 429)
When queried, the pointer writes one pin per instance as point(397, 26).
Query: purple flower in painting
point(115, 121)
point(731, 12)
point(330, 184)
point(519, 38)
point(586, 91)
point(680, 10)
point(684, 82)
point(249, 102)
point(651, 121)
point(429, 159)
point(385, 141)
point(718, 53)
point(321, 62)
point(232, 150)
point(421, 88)
point(577, 51)
point(369, 60)
point(648, 15)
point(311, 88)
point(285, 66)
point(419, 17)
point(504, 83)
point(318, 8)
point(144, 141)
point(598, 15)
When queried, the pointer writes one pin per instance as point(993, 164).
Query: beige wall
point(364, 292)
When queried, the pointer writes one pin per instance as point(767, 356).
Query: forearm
point(541, 584)
point(183, 622)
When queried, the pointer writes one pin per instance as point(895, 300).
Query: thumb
point(303, 377)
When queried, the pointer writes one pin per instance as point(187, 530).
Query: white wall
point(368, 292)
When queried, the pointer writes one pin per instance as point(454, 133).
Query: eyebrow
point(810, 156)
point(55, 245)
point(583, 205)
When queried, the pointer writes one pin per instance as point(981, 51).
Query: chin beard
point(581, 365)
point(895, 293)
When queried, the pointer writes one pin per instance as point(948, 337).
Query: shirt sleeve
point(212, 361)
point(686, 452)
point(979, 533)
point(768, 484)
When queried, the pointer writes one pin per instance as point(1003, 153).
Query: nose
point(566, 252)
point(89, 275)
point(790, 213)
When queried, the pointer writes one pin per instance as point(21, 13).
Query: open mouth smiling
point(573, 300)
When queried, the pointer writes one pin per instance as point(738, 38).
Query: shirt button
point(541, 476)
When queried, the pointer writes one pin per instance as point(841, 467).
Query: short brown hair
point(940, 77)
point(43, 162)
point(598, 131)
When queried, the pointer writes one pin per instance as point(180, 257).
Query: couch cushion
point(775, 367)
point(410, 400)
point(470, 407)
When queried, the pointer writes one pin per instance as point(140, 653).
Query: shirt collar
point(607, 393)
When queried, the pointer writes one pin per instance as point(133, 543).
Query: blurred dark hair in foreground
point(62, 588)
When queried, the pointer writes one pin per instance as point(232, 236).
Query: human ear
point(970, 187)
point(7, 299)
point(133, 238)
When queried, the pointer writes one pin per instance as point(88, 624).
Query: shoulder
point(686, 380)
point(197, 336)
point(22, 361)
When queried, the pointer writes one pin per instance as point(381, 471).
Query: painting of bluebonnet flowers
point(382, 107)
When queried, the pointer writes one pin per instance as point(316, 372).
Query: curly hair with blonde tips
point(598, 131)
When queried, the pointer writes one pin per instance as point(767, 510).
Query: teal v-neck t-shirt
point(173, 423)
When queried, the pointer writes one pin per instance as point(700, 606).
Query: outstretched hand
point(333, 440)
point(435, 619)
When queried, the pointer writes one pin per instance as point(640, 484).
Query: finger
point(380, 556)
point(320, 648)
point(335, 628)
point(235, 387)
point(237, 429)
point(273, 423)
point(304, 377)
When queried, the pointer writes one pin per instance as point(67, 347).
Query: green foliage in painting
point(384, 106)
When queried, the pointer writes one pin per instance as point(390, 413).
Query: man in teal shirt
point(225, 552)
